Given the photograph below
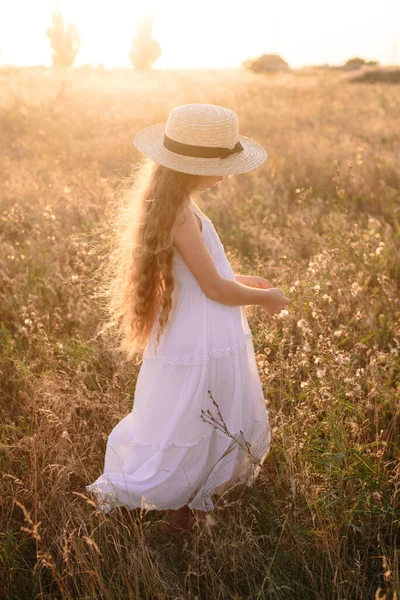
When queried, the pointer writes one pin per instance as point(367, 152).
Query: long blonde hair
point(137, 272)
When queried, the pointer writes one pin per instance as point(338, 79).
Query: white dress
point(173, 449)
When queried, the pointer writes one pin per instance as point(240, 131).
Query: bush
point(377, 76)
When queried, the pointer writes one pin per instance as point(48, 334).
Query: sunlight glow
point(210, 34)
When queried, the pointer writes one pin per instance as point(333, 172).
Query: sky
point(209, 33)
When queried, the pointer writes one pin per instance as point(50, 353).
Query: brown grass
point(320, 219)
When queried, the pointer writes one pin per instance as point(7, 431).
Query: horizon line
point(102, 67)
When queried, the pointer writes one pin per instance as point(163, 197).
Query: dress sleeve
point(199, 220)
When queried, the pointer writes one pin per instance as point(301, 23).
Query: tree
point(64, 40)
point(145, 50)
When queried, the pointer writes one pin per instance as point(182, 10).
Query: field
point(320, 220)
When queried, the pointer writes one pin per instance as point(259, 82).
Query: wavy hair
point(137, 272)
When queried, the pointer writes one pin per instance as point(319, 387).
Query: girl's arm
point(253, 281)
point(191, 246)
point(241, 278)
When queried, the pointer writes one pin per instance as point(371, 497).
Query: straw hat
point(201, 139)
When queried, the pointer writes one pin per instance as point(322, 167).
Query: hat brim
point(149, 141)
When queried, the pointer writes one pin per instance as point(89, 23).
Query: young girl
point(199, 425)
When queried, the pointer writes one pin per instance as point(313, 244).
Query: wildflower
point(355, 289)
point(302, 323)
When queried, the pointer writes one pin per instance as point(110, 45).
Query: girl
point(199, 425)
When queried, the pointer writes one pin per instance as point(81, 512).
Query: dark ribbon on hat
point(200, 151)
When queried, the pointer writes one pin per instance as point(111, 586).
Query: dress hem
point(201, 499)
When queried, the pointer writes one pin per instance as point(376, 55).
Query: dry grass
point(320, 219)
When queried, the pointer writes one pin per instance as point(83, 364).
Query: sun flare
point(210, 35)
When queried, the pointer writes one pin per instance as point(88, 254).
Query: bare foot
point(180, 521)
point(181, 518)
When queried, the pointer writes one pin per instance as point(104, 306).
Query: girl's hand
point(255, 281)
point(274, 301)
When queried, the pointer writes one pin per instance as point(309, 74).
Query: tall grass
point(320, 219)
